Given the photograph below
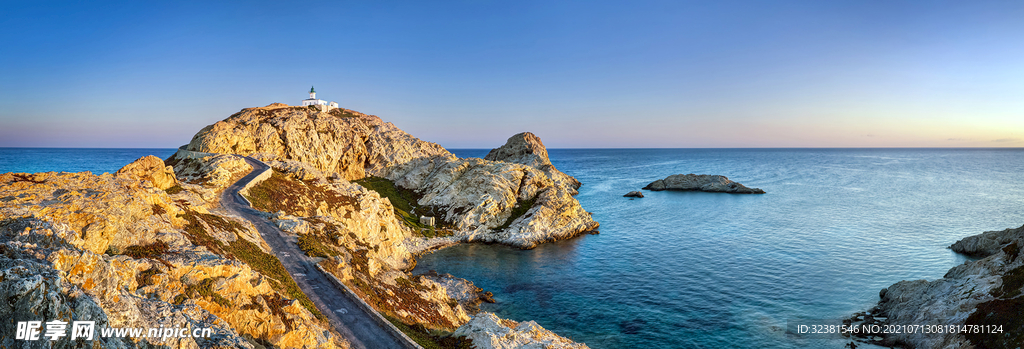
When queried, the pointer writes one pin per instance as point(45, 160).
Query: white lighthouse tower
point(312, 100)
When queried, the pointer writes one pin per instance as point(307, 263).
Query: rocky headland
point(138, 249)
point(695, 182)
point(514, 196)
point(984, 294)
point(153, 243)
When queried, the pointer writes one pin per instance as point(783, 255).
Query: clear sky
point(468, 74)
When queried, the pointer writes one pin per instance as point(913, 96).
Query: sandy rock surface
point(491, 332)
point(150, 168)
point(118, 250)
point(350, 143)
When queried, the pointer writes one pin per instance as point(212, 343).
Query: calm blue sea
point(95, 160)
point(707, 270)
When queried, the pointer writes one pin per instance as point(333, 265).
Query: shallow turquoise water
point(707, 270)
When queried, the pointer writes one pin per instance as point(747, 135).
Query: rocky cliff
point(341, 141)
point(514, 197)
point(517, 198)
point(985, 294)
point(119, 250)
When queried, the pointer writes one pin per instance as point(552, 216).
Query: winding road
point(349, 319)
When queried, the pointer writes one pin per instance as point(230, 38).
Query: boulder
point(150, 168)
point(708, 183)
point(634, 194)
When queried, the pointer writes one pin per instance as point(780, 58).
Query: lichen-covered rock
point(490, 332)
point(694, 182)
point(32, 291)
point(340, 141)
point(154, 261)
point(152, 169)
point(212, 171)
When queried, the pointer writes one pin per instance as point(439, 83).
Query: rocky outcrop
point(495, 201)
point(152, 169)
point(987, 243)
point(341, 141)
point(491, 332)
point(518, 198)
point(976, 293)
point(634, 194)
point(527, 149)
point(117, 250)
point(708, 183)
point(211, 171)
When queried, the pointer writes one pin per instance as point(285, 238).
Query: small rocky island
point(695, 182)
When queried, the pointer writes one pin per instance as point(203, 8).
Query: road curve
point(349, 319)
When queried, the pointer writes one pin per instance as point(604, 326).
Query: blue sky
point(468, 74)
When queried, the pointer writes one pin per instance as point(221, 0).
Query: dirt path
point(350, 320)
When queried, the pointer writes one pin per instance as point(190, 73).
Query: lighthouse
point(312, 100)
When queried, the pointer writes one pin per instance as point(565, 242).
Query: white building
point(312, 100)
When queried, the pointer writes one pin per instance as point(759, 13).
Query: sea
point(713, 270)
point(95, 160)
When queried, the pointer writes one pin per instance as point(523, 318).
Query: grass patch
point(203, 289)
point(295, 197)
point(405, 203)
point(343, 113)
point(402, 199)
point(1013, 280)
point(152, 250)
point(174, 190)
point(245, 251)
point(1003, 313)
point(431, 339)
point(522, 206)
point(316, 246)
point(1012, 251)
point(276, 304)
point(999, 313)
point(145, 278)
point(405, 298)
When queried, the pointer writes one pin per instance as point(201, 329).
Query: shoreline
point(980, 294)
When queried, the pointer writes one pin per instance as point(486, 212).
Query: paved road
point(349, 319)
